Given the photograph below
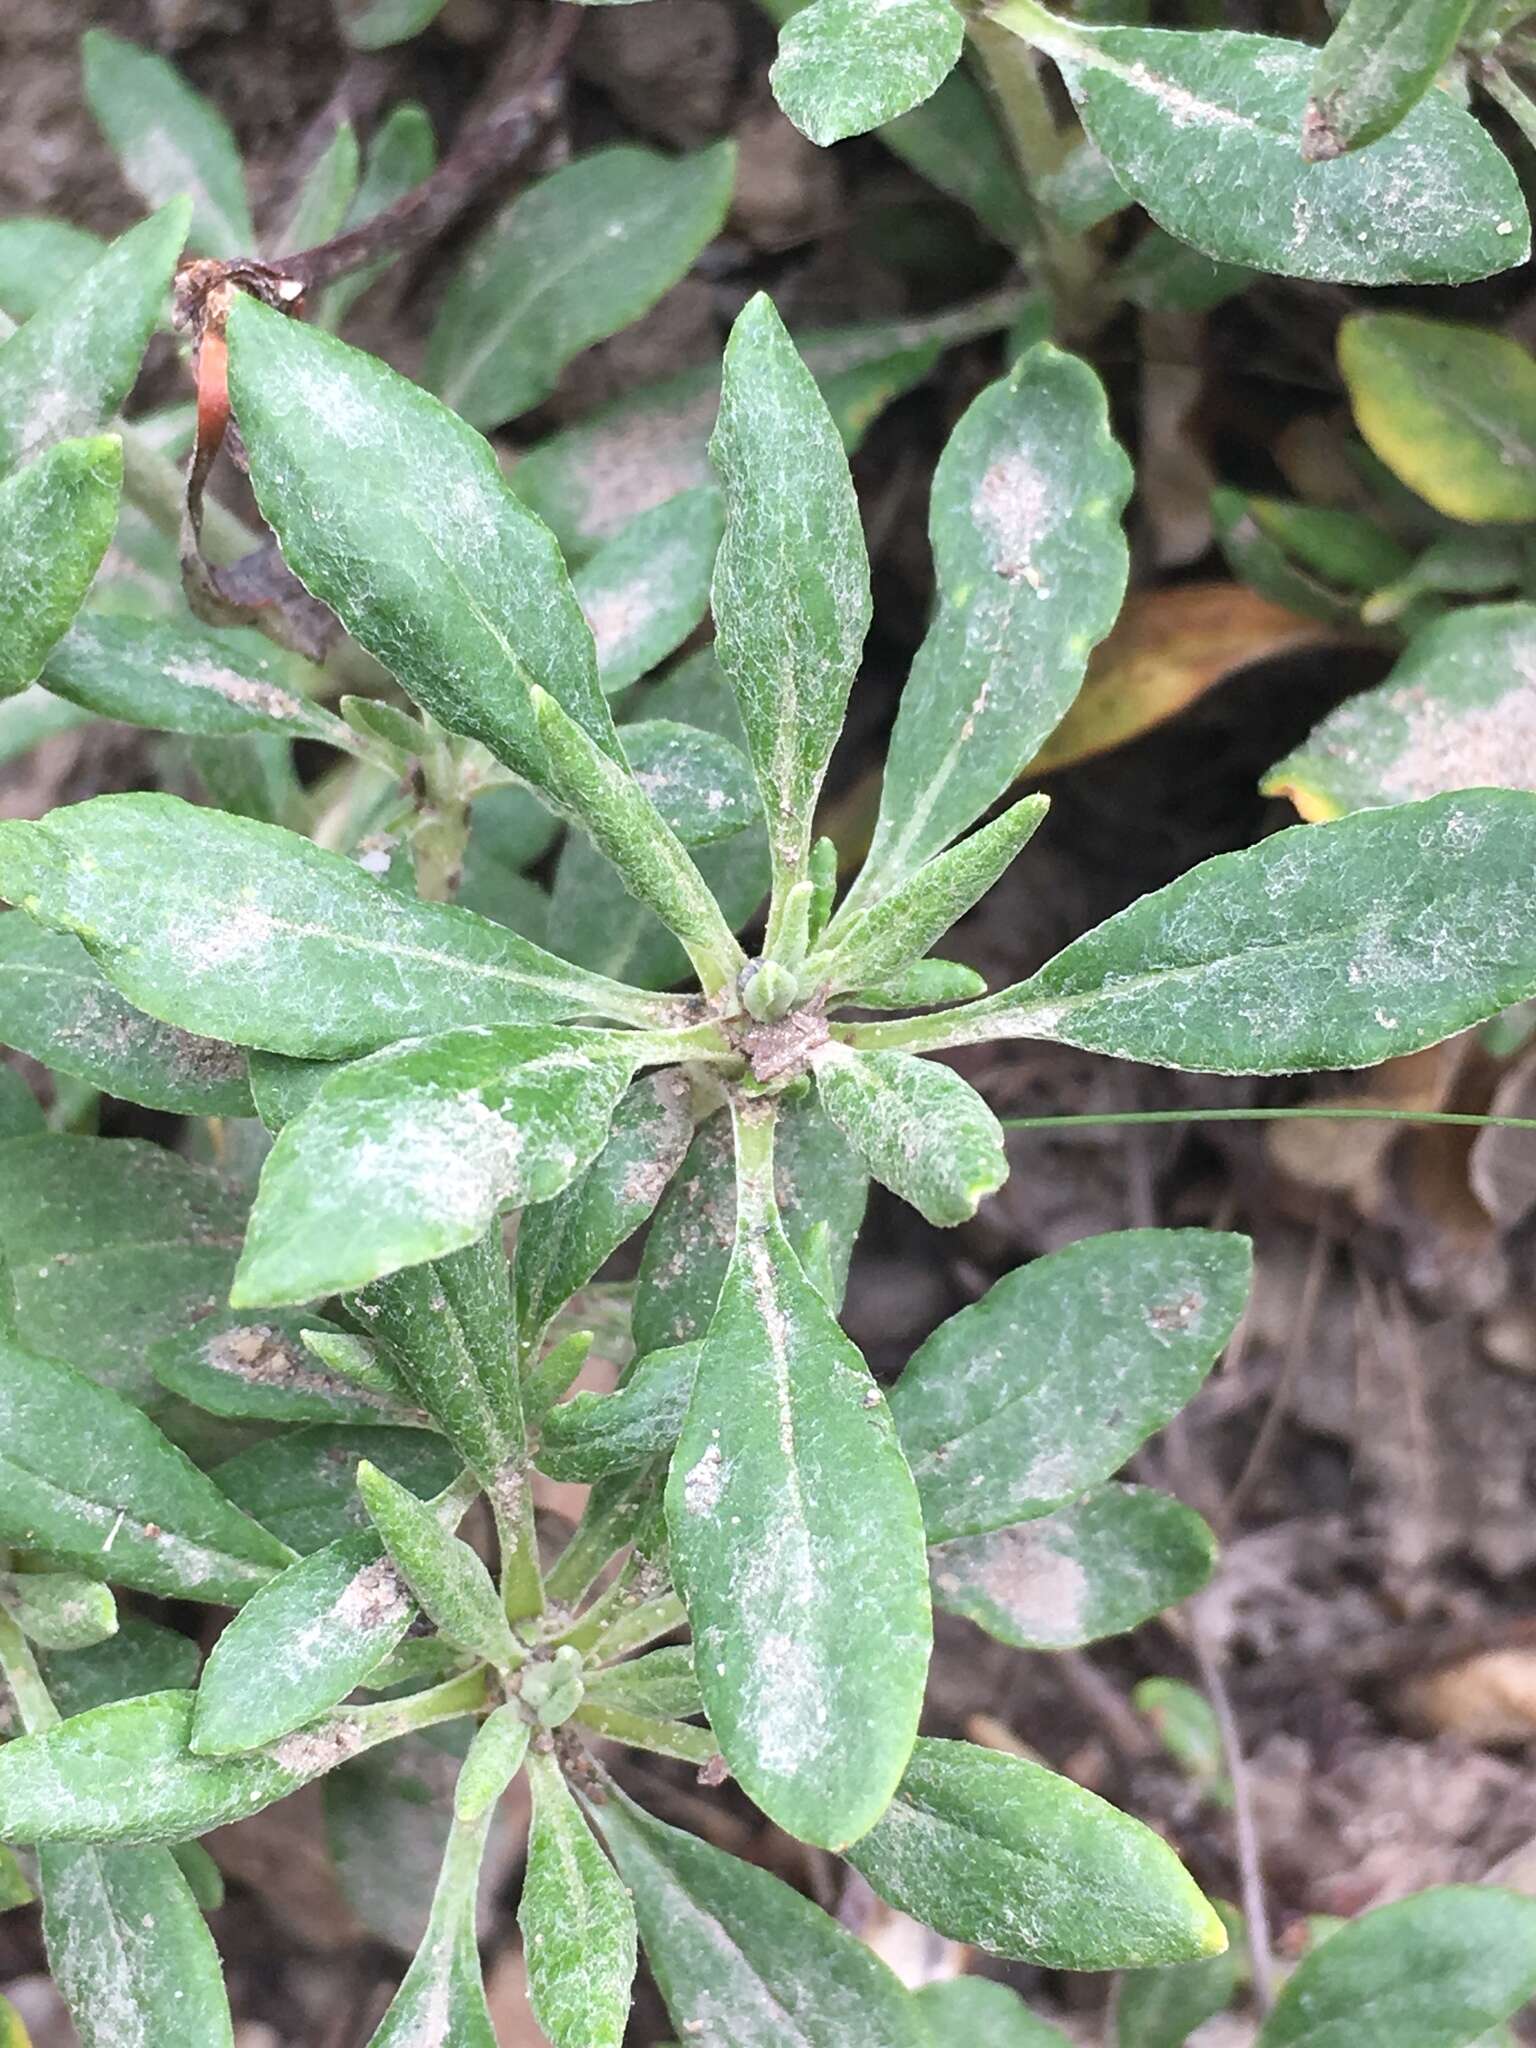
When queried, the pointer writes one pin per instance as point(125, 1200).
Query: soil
point(1365, 1448)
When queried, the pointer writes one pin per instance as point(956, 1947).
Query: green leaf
point(1045, 1386)
point(327, 191)
point(562, 1243)
point(1188, 1729)
point(1380, 61)
point(743, 1961)
point(32, 716)
point(921, 1130)
point(661, 1683)
point(14, 1891)
point(983, 2014)
point(1458, 711)
point(700, 783)
point(577, 1922)
point(142, 1657)
point(453, 1587)
point(92, 1483)
point(843, 69)
point(877, 943)
point(1202, 127)
point(443, 1993)
point(409, 1154)
point(261, 1372)
point(494, 1759)
point(578, 256)
point(395, 514)
point(592, 1435)
point(1450, 409)
point(39, 259)
point(245, 932)
point(300, 1645)
point(812, 1658)
point(1438, 1969)
point(645, 590)
point(108, 1245)
point(791, 586)
point(56, 521)
point(59, 1610)
point(388, 1816)
point(1105, 1564)
point(302, 1485)
point(821, 1190)
point(1162, 2008)
point(181, 677)
point(956, 142)
point(21, 1114)
point(130, 1951)
point(379, 23)
point(920, 985)
point(170, 141)
point(58, 1006)
point(1006, 1855)
point(400, 157)
point(1325, 946)
point(74, 362)
point(1031, 566)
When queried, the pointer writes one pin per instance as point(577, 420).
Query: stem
point(644, 1624)
point(753, 1123)
point(649, 1731)
point(522, 1582)
point(1239, 1116)
point(1510, 95)
point(450, 1701)
point(23, 1680)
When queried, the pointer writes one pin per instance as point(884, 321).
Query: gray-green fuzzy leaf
point(791, 585)
point(58, 1006)
point(577, 1921)
point(21, 1114)
point(56, 522)
point(1031, 566)
point(580, 255)
point(1046, 1385)
point(983, 2014)
point(170, 141)
point(408, 1155)
point(662, 1682)
point(700, 783)
point(450, 1583)
point(592, 1435)
point(39, 258)
point(644, 591)
point(1004, 1854)
point(74, 362)
point(400, 156)
point(441, 2002)
point(843, 69)
point(260, 1371)
point(248, 933)
point(142, 1657)
point(395, 513)
point(742, 1960)
point(921, 1130)
point(1379, 62)
point(302, 1485)
point(93, 1484)
point(1105, 1564)
point(324, 195)
point(59, 1610)
point(1438, 1969)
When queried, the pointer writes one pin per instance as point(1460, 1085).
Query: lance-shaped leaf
point(1333, 945)
point(1030, 563)
point(245, 932)
point(395, 513)
point(56, 521)
point(821, 1189)
point(921, 1130)
point(662, 1682)
point(400, 156)
point(1103, 1565)
point(561, 1244)
point(580, 255)
point(443, 1993)
point(701, 783)
point(1381, 59)
point(300, 1646)
point(1162, 2008)
point(170, 141)
point(130, 1951)
point(791, 586)
point(1457, 712)
point(592, 1435)
point(597, 922)
point(1203, 127)
point(1450, 409)
point(57, 1005)
point(126, 1773)
point(93, 1484)
point(452, 1586)
point(743, 1961)
point(59, 1610)
point(984, 2014)
point(261, 1371)
point(408, 1155)
point(1046, 1385)
point(651, 861)
point(183, 678)
point(1440, 1968)
point(74, 362)
point(445, 1332)
point(110, 1245)
point(812, 1657)
point(991, 1850)
point(325, 193)
point(39, 258)
point(842, 69)
point(302, 1485)
point(142, 1657)
point(378, 24)
point(646, 590)
point(880, 942)
point(577, 1921)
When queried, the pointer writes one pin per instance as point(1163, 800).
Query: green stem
point(649, 1731)
point(450, 1701)
point(522, 1582)
point(641, 1625)
point(1511, 96)
point(1466, 1120)
point(23, 1680)
point(753, 1123)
